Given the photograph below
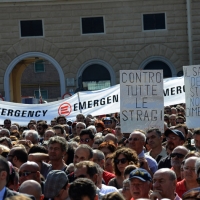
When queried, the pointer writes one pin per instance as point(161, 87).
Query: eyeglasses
point(123, 161)
point(134, 139)
point(107, 122)
point(25, 173)
point(178, 155)
point(86, 140)
point(198, 180)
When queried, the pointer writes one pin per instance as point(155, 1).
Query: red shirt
point(180, 188)
point(107, 176)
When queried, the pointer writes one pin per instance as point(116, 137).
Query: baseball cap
point(176, 132)
point(56, 180)
point(141, 174)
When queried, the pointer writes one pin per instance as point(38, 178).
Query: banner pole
point(79, 102)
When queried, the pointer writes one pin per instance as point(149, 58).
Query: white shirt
point(105, 189)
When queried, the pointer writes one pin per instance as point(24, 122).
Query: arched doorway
point(95, 75)
point(12, 84)
point(156, 63)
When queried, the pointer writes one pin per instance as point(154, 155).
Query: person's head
point(99, 126)
point(181, 127)
point(126, 189)
point(48, 134)
point(107, 122)
point(56, 185)
point(178, 155)
point(4, 132)
point(192, 194)
point(154, 138)
point(15, 133)
point(136, 140)
point(17, 156)
point(4, 172)
point(53, 122)
point(196, 137)
point(41, 128)
point(86, 137)
point(29, 171)
point(32, 136)
point(59, 131)
point(61, 120)
point(118, 131)
point(140, 183)
point(172, 120)
point(111, 137)
point(197, 168)
point(38, 149)
point(167, 110)
point(86, 169)
point(97, 142)
point(173, 110)
point(14, 127)
point(180, 120)
point(7, 123)
point(174, 138)
point(107, 147)
point(6, 141)
point(164, 180)
point(32, 187)
point(13, 183)
point(113, 196)
point(80, 118)
point(83, 153)
point(128, 169)
point(99, 158)
point(122, 158)
point(69, 155)
point(57, 147)
point(189, 169)
point(86, 190)
point(79, 127)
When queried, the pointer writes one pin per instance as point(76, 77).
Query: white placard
point(192, 95)
point(141, 99)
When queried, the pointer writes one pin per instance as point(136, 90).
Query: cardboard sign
point(141, 99)
point(192, 95)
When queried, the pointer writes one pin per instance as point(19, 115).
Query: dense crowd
point(90, 158)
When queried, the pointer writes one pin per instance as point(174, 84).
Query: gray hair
point(92, 128)
point(34, 134)
point(6, 130)
point(197, 166)
point(82, 123)
point(99, 154)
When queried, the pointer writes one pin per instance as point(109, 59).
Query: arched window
point(96, 77)
point(167, 73)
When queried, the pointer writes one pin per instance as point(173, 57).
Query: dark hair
point(59, 127)
point(82, 187)
point(129, 154)
point(196, 131)
point(4, 167)
point(113, 196)
point(128, 169)
point(60, 140)
point(192, 194)
point(87, 132)
point(158, 132)
point(99, 123)
point(91, 167)
point(21, 154)
point(60, 117)
point(70, 153)
point(8, 140)
point(37, 149)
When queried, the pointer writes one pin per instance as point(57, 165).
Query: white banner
point(141, 102)
point(91, 102)
point(192, 95)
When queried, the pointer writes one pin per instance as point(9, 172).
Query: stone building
point(83, 44)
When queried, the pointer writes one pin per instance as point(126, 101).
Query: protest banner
point(141, 99)
point(192, 95)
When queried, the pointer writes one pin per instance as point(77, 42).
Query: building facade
point(88, 42)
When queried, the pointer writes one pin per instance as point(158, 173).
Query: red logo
point(65, 109)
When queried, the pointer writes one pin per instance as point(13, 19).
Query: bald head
point(29, 171)
point(171, 174)
point(110, 137)
point(31, 187)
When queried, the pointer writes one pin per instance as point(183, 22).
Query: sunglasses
point(85, 140)
point(25, 173)
point(178, 155)
point(123, 161)
point(107, 122)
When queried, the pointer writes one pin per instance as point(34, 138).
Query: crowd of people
point(90, 159)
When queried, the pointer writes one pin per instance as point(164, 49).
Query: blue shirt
point(2, 192)
point(153, 166)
